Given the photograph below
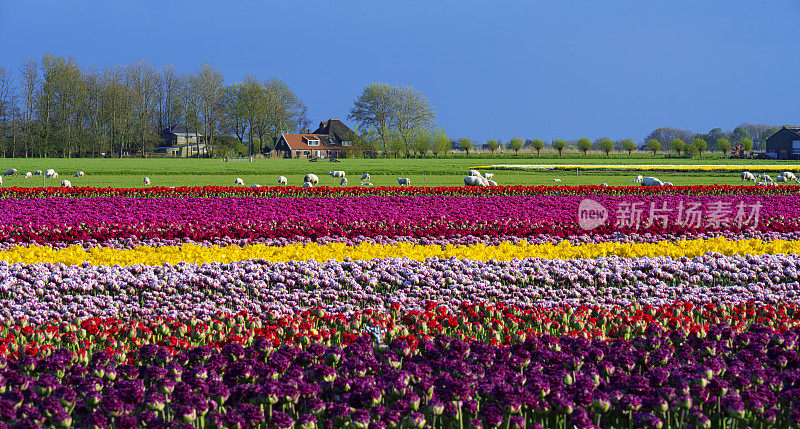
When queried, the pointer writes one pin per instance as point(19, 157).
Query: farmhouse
point(177, 140)
point(784, 144)
point(332, 139)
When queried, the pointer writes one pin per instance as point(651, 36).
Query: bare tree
point(280, 110)
point(210, 83)
point(413, 113)
point(143, 81)
point(374, 111)
point(29, 80)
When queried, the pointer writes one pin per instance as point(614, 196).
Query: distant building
point(784, 144)
point(330, 140)
point(177, 140)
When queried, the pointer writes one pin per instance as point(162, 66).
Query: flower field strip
point(647, 167)
point(56, 220)
point(733, 379)
point(388, 191)
point(192, 253)
point(43, 292)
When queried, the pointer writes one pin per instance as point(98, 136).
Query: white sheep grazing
point(488, 175)
point(307, 185)
point(28, 174)
point(78, 174)
point(66, 183)
point(336, 174)
point(556, 180)
point(343, 182)
point(765, 183)
point(404, 181)
point(311, 178)
point(238, 181)
point(255, 186)
point(604, 184)
point(667, 184)
point(366, 184)
point(365, 177)
point(475, 181)
point(764, 177)
point(789, 176)
point(55, 175)
point(1, 180)
point(10, 172)
point(781, 178)
point(491, 182)
point(37, 173)
point(282, 180)
point(146, 181)
point(50, 173)
point(638, 179)
point(473, 173)
point(746, 175)
point(651, 181)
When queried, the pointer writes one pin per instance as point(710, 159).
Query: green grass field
point(422, 172)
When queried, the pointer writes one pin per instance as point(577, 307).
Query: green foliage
point(747, 144)
point(739, 134)
point(724, 145)
point(692, 150)
point(678, 145)
point(559, 145)
point(628, 145)
point(465, 144)
point(701, 145)
point(654, 146)
point(537, 144)
point(492, 145)
point(607, 145)
point(421, 142)
point(515, 144)
point(440, 144)
point(584, 145)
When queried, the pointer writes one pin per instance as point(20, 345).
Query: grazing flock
point(473, 178)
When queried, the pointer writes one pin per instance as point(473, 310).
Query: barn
point(784, 144)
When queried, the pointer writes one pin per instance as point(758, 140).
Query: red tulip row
point(490, 323)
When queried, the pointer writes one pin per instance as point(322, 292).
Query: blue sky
point(492, 69)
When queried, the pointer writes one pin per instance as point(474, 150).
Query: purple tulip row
point(53, 220)
point(659, 379)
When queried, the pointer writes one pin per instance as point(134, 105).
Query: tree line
point(55, 107)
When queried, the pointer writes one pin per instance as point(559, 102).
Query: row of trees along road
point(54, 107)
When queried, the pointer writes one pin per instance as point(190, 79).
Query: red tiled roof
point(300, 141)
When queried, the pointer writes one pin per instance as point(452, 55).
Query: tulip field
point(390, 307)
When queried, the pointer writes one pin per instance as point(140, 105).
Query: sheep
point(404, 181)
point(556, 180)
point(1, 180)
point(238, 181)
point(638, 179)
point(491, 183)
point(366, 184)
point(311, 178)
point(10, 172)
point(488, 175)
point(282, 180)
point(336, 174)
point(475, 181)
point(55, 176)
point(146, 181)
point(651, 181)
point(255, 186)
point(78, 174)
point(789, 176)
point(50, 173)
point(764, 177)
point(746, 175)
point(308, 185)
point(28, 174)
point(365, 177)
point(604, 184)
point(343, 182)
point(37, 173)
point(473, 173)
point(667, 184)
point(781, 178)
point(765, 183)
point(66, 183)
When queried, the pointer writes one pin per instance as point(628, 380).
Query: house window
point(347, 143)
point(313, 142)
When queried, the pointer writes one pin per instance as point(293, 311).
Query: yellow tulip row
point(144, 255)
